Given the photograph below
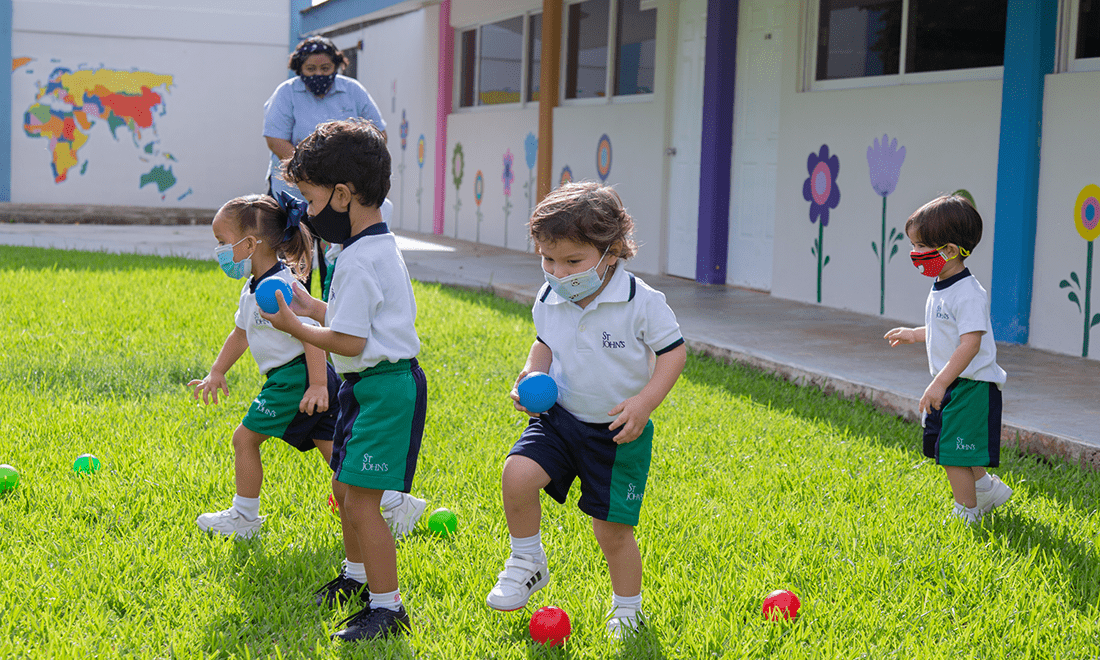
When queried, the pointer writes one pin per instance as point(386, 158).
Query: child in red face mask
point(961, 407)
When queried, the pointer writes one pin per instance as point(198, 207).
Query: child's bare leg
point(979, 472)
point(351, 542)
point(363, 517)
point(520, 485)
point(325, 447)
point(247, 466)
point(962, 485)
point(624, 561)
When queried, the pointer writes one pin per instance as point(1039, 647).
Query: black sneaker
point(376, 622)
point(340, 590)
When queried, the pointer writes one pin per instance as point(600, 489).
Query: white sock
point(390, 600)
point(985, 483)
point(531, 545)
point(390, 499)
point(626, 605)
point(248, 507)
point(355, 571)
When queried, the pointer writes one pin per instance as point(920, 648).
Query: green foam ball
point(9, 478)
point(85, 464)
point(442, 522)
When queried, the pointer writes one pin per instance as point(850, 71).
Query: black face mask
point(318, 85)
point(332, 225)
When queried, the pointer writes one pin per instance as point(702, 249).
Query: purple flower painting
point(507, 177)
point(821, 191)
point(884, 161)
point(531, 150)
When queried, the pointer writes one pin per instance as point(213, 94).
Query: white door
point(755, 144)
point(687, 130)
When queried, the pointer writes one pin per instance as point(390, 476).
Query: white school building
point(777, 145)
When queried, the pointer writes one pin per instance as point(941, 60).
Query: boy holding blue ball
point(343, 171)
point(614, 349)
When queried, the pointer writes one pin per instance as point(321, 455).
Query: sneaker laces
point(358, 617)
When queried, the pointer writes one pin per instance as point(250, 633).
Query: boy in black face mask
point(343, 171)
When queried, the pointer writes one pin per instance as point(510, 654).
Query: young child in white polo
point(294, 401)
point(343, 172)
point(614, 349)
point(961, 407)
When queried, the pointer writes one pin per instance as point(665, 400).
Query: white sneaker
point(968, 516)
point(403, 517)
point(997, 495)
point(626, 623)
point(228, 523)
point(522, 576)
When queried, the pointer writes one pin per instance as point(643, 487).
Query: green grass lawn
point(756, 485)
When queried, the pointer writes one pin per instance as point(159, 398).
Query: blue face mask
point(579, 286)
point(234, 269)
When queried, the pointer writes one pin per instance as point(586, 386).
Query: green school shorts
point(966, 430)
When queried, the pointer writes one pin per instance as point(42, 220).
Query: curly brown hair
point(947, 219)
point(585, 212)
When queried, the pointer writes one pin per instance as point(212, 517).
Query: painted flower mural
point(884, 161)
point(566, 176)
point(479, 190)
point(1086, 218)
point(507, 177)
point(401, 168)
point(531, 151)
point(420, 144)
point(603, 157)
point(821, 191)
point(458, 167)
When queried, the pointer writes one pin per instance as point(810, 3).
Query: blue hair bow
point(295, 210)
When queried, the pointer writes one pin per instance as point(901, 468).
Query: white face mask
point(578, 286)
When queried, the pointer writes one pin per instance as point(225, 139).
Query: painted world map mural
point(74, 107)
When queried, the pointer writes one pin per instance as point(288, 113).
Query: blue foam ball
point(537, 392)
point(265, 294)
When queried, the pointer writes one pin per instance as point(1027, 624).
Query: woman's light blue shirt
point(293, 112)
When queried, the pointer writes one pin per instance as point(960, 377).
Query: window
point(352, 69)
point(501, 62)
point(864, 38)
point(635, 49)
point(1088, 29)
point(534, 56)
point(588, 44)
point(494, 63)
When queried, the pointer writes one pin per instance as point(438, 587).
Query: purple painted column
point(715, 156)
point(442, 109)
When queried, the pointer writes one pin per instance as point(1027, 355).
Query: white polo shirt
point(605, 353)
point(956, 306)
point(371, 297)
point(270, 347)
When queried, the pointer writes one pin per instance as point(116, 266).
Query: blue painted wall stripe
point(5, 105)
point(296, 9)
point(332, 12)
point(715, 156)
point(1029, 56)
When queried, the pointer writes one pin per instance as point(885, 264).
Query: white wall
point(405, 83)
point(225, 59)
point(951, 134)
point(1068, 164)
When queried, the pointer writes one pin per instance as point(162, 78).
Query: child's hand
point(633, 414)
point(209, 385)
point(315, 400)
point(933, 397)
point(515, 395)
point(284, 319)
point(302, 304)
point(901, 336)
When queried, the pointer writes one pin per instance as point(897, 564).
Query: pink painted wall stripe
point(442, 109)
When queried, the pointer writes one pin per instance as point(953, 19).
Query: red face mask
point(930, 263)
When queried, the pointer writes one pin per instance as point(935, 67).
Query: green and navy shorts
point(275, 412)
point(966, 430)
point(380, 426)
point(613, 476)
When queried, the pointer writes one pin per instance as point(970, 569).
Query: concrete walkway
point(1051, 406)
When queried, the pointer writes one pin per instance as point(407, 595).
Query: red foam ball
point(550, 626)
point(781, 603)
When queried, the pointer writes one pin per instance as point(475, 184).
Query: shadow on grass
point(16, 257)
point(271, 614)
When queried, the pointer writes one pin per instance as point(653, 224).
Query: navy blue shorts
point(613, 476)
